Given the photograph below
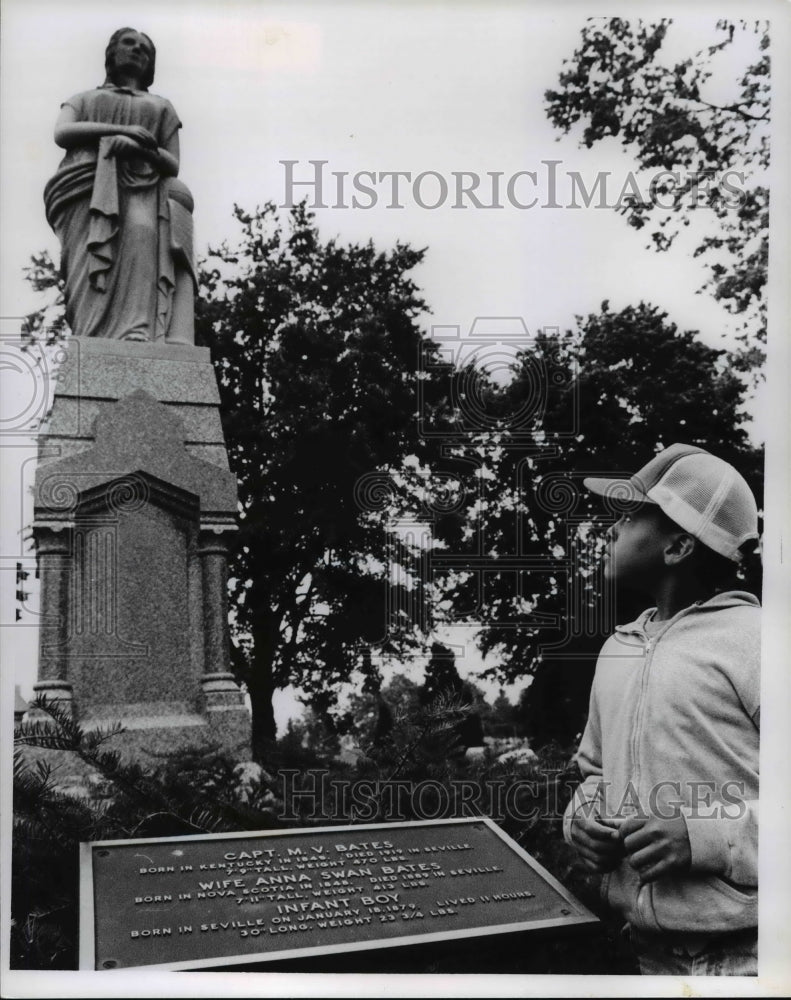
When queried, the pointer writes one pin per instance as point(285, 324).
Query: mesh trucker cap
point(703, 494)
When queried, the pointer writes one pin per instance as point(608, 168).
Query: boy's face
point(635, 552)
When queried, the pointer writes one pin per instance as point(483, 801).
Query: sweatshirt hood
point(727, 599)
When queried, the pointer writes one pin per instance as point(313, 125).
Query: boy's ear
point(679, 547)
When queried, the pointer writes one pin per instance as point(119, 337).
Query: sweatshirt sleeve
point(589, 760)
point(723, 839)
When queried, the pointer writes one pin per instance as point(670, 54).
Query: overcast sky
point(382, 87)
point(376, 87)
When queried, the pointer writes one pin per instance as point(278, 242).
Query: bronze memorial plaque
point(230, 898)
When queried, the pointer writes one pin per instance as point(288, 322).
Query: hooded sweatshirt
point(673, 725)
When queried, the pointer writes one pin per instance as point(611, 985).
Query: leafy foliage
point(692, 116)
point(194, 792)
point(443, 679)
point(421, 743)
point(316, 350)
point(311, 741)
point(315, 572)
point(48, 323)
point(441, 673)
point(641, 384)
point(316, 347)
point(108, 798)
point(501, 720)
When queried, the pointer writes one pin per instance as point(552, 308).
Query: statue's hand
point(141, 135)
point(123, 145)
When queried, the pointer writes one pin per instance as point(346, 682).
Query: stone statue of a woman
point(122, 217)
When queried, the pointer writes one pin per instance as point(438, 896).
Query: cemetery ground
point(209, 792)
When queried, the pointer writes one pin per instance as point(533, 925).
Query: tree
point(309, 742)
point(502, 717)
point(441, 674)
point(319, 355)
point(372, 715)
point(442, 680)
point(689, 114)
point(640, 384)
point(47, 324)
point(316, 348)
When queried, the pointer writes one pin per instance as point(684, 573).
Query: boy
point(668, 809)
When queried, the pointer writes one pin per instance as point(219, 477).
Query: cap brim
point(620, 489)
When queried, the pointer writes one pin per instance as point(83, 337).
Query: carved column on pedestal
point(219, 687)
point(54, 562)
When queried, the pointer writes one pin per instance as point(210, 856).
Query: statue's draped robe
point(113, 219)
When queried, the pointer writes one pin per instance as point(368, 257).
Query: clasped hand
point(653, 847)
point(134, 141)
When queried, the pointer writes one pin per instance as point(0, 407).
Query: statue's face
point(132, 53)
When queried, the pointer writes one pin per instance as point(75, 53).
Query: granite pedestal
point(134, 505)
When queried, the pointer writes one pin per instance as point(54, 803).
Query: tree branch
point(736, 108)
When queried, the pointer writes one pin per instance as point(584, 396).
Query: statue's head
point(113, 52)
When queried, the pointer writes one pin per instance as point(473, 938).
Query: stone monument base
point(151, 731)
point(146, 741)
point(134, 506)
point(150, 734)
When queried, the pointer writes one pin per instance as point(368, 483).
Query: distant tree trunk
point(262, 688)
